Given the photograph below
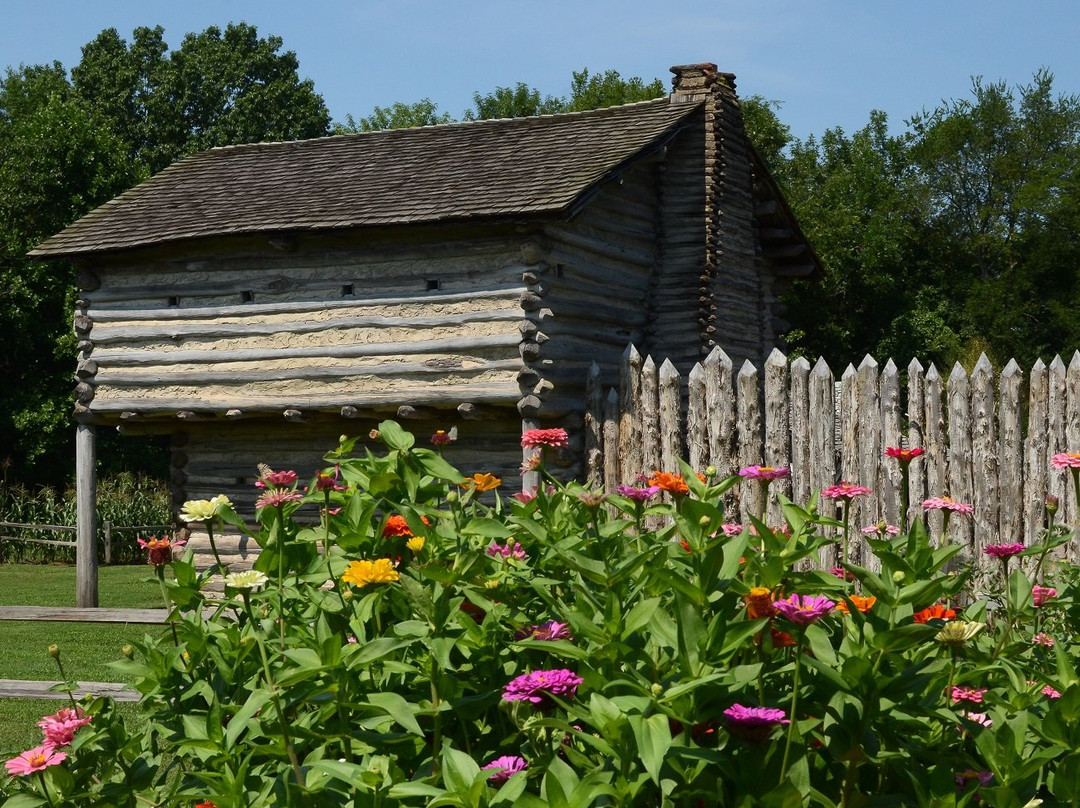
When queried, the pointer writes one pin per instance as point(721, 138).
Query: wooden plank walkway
point(60, 614)
point(24, 689)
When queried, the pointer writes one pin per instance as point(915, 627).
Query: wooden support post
point(108, 542)
point(86, 583)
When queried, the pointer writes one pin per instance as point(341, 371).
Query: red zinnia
point(935, 612)
point(555, 438)
point(903, 455)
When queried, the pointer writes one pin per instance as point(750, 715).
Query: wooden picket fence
point(988, 435)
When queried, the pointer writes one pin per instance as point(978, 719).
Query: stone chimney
point(691, 83)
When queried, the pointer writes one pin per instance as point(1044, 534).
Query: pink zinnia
point(971, 694)
point(804, 609)
point(1044, 640)
point(947, 504)
point(1065, 460)
point(754, 723)
point(1050, 693)
point(34, 760)
point(276, 479)
point(538, 687)
point(767, 473)
point(328, 482)
point(881, 529)
point(846, 491)
point(637, 494)
point(277, 497)
point(60, 728)
point(731, 528)
point(509, 550)
point(979, 718)
point(505, 768)
point(1041, 594)
point(1004, 550)
point(551, 630)
point(555, 438)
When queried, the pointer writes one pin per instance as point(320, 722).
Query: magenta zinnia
point(903, 455)
point(555, 438)
point(1004, 550)
point(969, 694)
point(767, 473)
point(754, 723)
point(505, 768)
point(637, 494)
point(509, 550)
point(846, 491)
point(804, 609)
point(538, 687)
point(551, 630)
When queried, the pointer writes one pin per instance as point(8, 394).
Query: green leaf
point(487, 527)
point(653, 737)
point(239, 722)
point(349, 773)
point(436, 466)
point(395, 705)
point(395, 437)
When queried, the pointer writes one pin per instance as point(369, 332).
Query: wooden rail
point(107, 531)
point(30, 689)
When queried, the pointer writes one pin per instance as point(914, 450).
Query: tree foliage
point(424, 112)
point(69, 144)
point(955, 237)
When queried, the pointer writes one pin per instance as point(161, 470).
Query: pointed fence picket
point(985, 443)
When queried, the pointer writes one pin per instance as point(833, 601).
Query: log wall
point(310, 329)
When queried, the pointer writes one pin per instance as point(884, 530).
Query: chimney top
point(693, 82)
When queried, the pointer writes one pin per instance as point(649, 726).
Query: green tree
point(519, 101)
point(58, 159)
point(609, 89)
point(69, 146)
point(424, 112)
point(1000, 169)
point(218, 88)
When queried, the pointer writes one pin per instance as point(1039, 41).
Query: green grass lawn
point(85, 649)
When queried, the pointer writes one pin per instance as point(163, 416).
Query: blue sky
point(829, 62)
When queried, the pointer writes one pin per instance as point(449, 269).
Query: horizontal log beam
point(505, 291)
point(123, 357)
point(157, 332)
point(228, 378)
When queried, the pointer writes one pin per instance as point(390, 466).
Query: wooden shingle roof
point(454, 172)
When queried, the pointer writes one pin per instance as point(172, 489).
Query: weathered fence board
point(988, 436)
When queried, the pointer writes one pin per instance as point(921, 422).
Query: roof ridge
point(340, 136)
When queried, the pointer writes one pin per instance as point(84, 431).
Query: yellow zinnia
point(364, 572)
point(203, 510)
point(482, 481)
point(416, 544)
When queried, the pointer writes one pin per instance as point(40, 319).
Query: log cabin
point(254, 302)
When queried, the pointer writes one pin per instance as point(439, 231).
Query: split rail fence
point(988, 436)
point(34, 534)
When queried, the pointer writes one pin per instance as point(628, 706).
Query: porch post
point(86, 580)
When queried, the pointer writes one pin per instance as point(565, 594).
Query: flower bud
point(374, 434)
point(656, 689)
point(128, 650)
point(451, 496)
point(347, 594)
point(54, 651)
point(710, 471)
point(1052, 504)
point(491, 583)
point(705, 521)
point(898, 576)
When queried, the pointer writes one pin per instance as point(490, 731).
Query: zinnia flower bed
point(432, 641)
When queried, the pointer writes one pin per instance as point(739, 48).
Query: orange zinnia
point(482, 481)
point(937, 611)
point(759, 603)
point(863, 604)
point(672, 483)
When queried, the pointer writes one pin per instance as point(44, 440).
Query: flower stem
point(213, 546)
point(794, 705)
